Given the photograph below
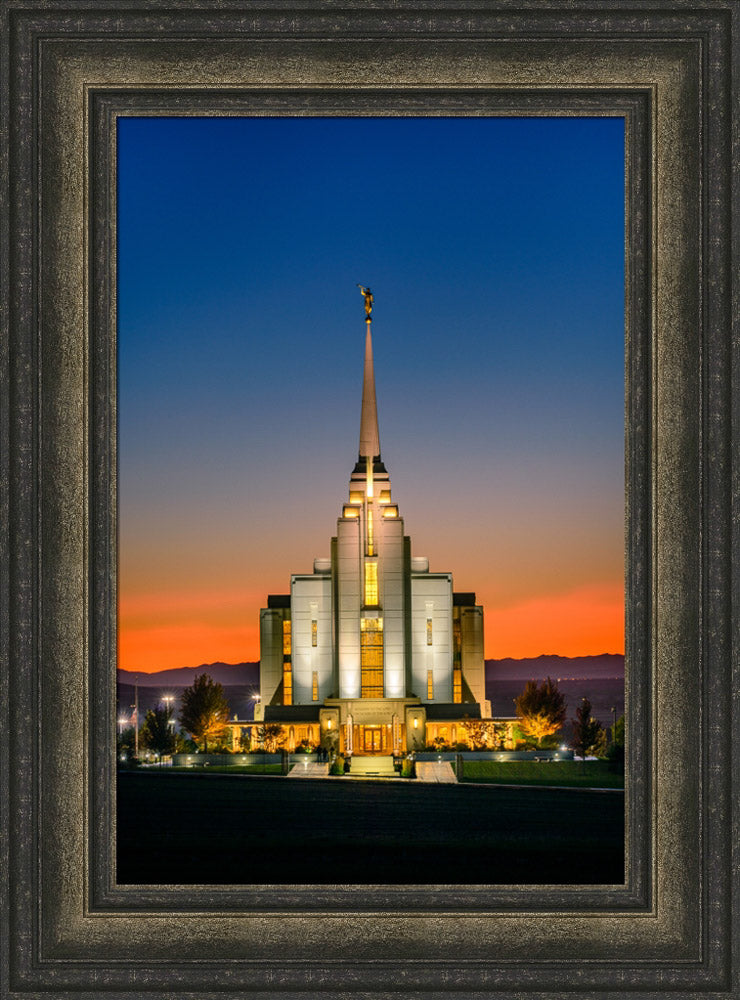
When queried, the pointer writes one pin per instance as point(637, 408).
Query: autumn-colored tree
point(204, 710)
point(588, 734)
point(541, 709)
point(482, 734)
point(271, 736)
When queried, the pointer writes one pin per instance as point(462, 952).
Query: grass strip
point(570, 773)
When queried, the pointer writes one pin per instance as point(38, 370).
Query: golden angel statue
point(368, 300)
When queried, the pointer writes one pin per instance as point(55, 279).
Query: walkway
point(427, 772)
point(435, 772)
point(307, 769)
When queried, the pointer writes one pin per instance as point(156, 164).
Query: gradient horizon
point(495, 252)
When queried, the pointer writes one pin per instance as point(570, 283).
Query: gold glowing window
point(355, 496)
point(457, 685)
point(348, 511)
point(429, 631)
point(286, 638)
point(371, 584)
point(370, 540)
point(314, 686)
point(430, 685)
point(385, 496)
point(371, 657)
point(390, 511)
point(287, 683)
point(314, 632)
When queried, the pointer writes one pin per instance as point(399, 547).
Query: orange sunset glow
point(162, 631)
point(498, 361)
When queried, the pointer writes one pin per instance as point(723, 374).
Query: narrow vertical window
point(429, 631)
point(371, 584)
point(430, 685)
point(456, 685)
point(287, 666)
point(370, 539)
point(456, 656)
point(315, 686)
point(314, 632)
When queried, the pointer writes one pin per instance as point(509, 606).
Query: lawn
point(568, 773)
point(201, 827)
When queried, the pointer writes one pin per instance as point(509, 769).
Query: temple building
point(372, 652)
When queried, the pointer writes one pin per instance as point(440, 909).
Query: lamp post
point(168, 699)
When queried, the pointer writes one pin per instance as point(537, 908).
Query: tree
point(615, 750)
point(541, 709)
point(271, 736)
point(125, 745)
point(482, 734)
point(204, 710)
point(588, 734)
point(156, 731)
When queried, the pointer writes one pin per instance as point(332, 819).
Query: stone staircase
point(372, 767)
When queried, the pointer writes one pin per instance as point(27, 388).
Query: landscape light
point(328, 723)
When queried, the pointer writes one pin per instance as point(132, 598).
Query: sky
point(494, 248)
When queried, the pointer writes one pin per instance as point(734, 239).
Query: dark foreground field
point(242, 830)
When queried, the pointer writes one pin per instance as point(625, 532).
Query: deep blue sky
point(494, 248)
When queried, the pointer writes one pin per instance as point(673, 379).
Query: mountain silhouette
point(223, 673)
point(554, 666)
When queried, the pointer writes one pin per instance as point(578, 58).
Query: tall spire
point(369, 436)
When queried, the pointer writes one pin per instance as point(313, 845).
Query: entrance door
point(373, 739)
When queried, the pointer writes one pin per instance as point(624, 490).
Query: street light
point(168, 699)
point(121, 723)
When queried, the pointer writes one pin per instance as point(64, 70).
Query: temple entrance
point(372, 739)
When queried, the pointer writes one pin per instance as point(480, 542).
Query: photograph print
point(371, 497)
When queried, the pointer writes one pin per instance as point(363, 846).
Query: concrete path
point(309, 770)
point(435, 772)
point(428, 772)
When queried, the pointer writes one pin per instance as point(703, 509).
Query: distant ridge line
point(600, 665)
point(564, 667)
point(223, 673)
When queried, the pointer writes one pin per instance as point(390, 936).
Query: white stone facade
point(371, 629)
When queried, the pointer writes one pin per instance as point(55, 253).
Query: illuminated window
point(371, 657)
point(370, 541)
point(348, 511)
point(429, 631)
point(356, 496)
point(371, 584)
point(314, 632)
point(315, 686)
point(385, 496)
point(456, 657)
point(430, 685)
point(390, 511)
point(287, 668)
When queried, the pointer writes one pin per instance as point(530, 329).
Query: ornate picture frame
point(70, 69)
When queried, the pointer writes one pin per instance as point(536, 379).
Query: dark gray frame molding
point(70, 69)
